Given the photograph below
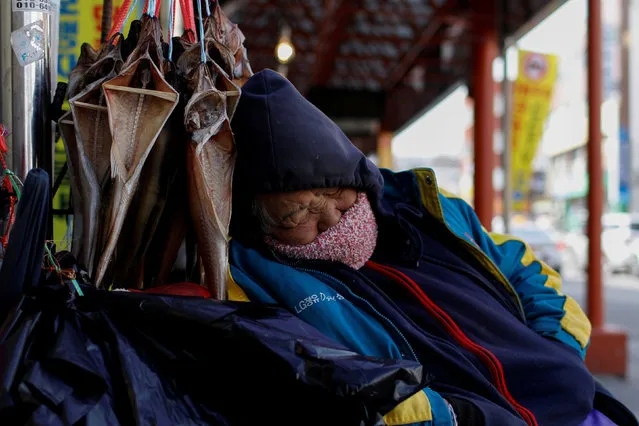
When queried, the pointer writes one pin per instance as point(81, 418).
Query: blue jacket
point(504, 346)
point(358, 314)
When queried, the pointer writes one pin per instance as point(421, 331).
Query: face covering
point(351, 242)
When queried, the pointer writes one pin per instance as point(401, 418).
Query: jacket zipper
point(370, 306)
point(479, 254)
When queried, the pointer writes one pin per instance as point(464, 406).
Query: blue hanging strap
point(201, 25)
point(171, 18)
point(134, 5)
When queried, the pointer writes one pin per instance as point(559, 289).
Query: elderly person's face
point(296, 218)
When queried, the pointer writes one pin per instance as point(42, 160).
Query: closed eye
point(294, 219)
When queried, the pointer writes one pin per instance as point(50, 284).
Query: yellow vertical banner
point(533, 93)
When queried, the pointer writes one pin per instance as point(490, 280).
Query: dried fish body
point(139, 102)
point(210, 163)
point(136, 117)
point(91, 141)
point(210, 172)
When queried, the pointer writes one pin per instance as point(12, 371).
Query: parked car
point(620, 232)
point(546, 246)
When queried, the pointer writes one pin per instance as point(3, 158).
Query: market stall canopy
point(380, 61)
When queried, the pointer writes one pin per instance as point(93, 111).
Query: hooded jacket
point(503, 344)
point(274, 154)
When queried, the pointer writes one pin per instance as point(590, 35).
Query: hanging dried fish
point(161, 187)
point(225, 32)
point(92, 142)
point(78, 77)
point(139, 102)
point(189, 65)
point(210, 163)
point(95, 65)
point(165, 229)
point(211, 153)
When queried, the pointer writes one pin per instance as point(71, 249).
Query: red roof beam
point(427, 34)
point(332, 32)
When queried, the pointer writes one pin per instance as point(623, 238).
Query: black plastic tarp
point(126, 358)
point(20, 269)
point(118, 358)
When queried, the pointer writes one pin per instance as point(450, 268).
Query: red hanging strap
point(12, 218)
point(486, 357)
point(188, 15)
point(120, 18)
point(157, 8)
point(6, 181)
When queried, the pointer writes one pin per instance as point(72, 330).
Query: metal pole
point(384, 149)
point(6, 56)
point(625, 145)
point(484, 123)
point(26, 95)
point(506, 160)
point(595, 172)
point(633, 105)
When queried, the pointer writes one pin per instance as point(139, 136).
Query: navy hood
point(284, 143)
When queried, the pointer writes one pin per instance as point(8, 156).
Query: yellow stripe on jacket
point(575, 320)
point(413, 410)
point(234, 293)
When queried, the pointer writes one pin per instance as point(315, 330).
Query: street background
point(622, 309)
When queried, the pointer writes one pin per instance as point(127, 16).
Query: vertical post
point(608, 350)
point(625, 154)
point(6, 56)
point(384, 150)
point(595, 172)
point(484, 123)
point(506, 123)
point(25, 108)
point(633, 105)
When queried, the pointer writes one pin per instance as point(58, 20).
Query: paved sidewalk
point(622, 309)
point(627, 390)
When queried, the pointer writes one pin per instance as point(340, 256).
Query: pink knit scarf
point(351, 242)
